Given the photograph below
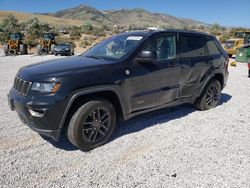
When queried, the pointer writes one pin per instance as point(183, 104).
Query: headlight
point(67, 49)
point(45, 87)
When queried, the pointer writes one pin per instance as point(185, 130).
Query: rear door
point(194, 63)
point(155, 83)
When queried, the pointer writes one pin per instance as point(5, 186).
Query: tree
point(88, 27)
point(9, 25)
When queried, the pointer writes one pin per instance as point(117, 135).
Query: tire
point(39, 50)
point(22, 49)
point(25, 49)
point(6, 49)
point(210, 98)
point(88, 130)
point(52, 48)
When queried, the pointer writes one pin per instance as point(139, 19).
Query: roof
point(153, 32)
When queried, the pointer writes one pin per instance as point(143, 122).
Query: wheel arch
point(79, 98)
point(217, 76)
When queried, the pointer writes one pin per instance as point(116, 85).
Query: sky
point(223, 12)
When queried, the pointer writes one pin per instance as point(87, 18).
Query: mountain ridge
point(136, 17)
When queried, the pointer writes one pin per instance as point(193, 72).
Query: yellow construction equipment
point(240, 38)
point(47, 44)
point(15, 45)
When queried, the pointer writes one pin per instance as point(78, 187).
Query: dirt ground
point(182, 147)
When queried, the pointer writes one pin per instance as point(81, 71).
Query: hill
point(22, 17)
point(124, 17)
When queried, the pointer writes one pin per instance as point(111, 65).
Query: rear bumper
point(49, 107)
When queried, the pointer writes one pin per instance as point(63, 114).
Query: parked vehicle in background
point(15, 45)
point(64, 49)
point(46, 44)
point(232, 45)
point(243, 54)
point(124, 76)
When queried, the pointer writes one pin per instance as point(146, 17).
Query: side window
point(164, 47)
point(192, 46)
point(212, 48)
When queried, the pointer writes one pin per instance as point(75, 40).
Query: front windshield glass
point(48, 36)
point(63, 44)
point(15, 36)
point(229, 44)
point(115, 47)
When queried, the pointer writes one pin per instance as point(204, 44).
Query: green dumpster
point(243, 54)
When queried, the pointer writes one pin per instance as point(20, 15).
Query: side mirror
point(146, 56)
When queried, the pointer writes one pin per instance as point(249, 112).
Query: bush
point(60, 39)
point(224, 38)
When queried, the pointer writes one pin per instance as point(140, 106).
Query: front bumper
point(62, 52)
point(49, 106)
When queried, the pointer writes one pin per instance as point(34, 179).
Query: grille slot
point(22, 86)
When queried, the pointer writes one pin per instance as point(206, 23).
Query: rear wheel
point(92, 124)
point(6, 49)
point(22, 49)
point(210, 98)
point(25, 49)
point(52, 48)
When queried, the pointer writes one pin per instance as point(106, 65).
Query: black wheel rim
point(96, 125)
point(213, 96)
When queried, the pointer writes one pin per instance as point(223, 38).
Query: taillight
point(248, 65)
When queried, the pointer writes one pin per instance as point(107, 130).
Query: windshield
point(229, 44)
point(115, 47)
point(48, 36)
point(15, 36)
point(63, 44)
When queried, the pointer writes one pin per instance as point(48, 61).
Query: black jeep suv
point(124, 76)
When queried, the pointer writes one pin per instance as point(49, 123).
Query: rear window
point(192, 46)
point(212, 47)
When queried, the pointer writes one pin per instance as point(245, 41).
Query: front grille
point(22, 86)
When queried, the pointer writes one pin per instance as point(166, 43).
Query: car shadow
point(141, 122)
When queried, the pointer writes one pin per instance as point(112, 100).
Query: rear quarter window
point(212, 47)
point(192, 46)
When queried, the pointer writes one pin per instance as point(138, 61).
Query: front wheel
point(6, 49)
point(210, 98)
point(92, 124)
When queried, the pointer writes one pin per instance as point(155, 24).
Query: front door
point(152, 84)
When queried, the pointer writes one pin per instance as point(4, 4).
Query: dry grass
point(22, 17)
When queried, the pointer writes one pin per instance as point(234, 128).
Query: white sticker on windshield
point(134, 38)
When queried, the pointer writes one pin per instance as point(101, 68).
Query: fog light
point(37, 113)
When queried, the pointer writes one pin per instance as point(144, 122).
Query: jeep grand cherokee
point(124, 76)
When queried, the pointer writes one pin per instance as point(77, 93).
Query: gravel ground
point(178, 148)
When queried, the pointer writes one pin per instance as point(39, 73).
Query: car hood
point(50, 70)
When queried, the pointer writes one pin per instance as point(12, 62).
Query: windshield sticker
point(134, 38)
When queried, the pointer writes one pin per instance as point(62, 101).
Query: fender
point(113, 88)
point(209, 78)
